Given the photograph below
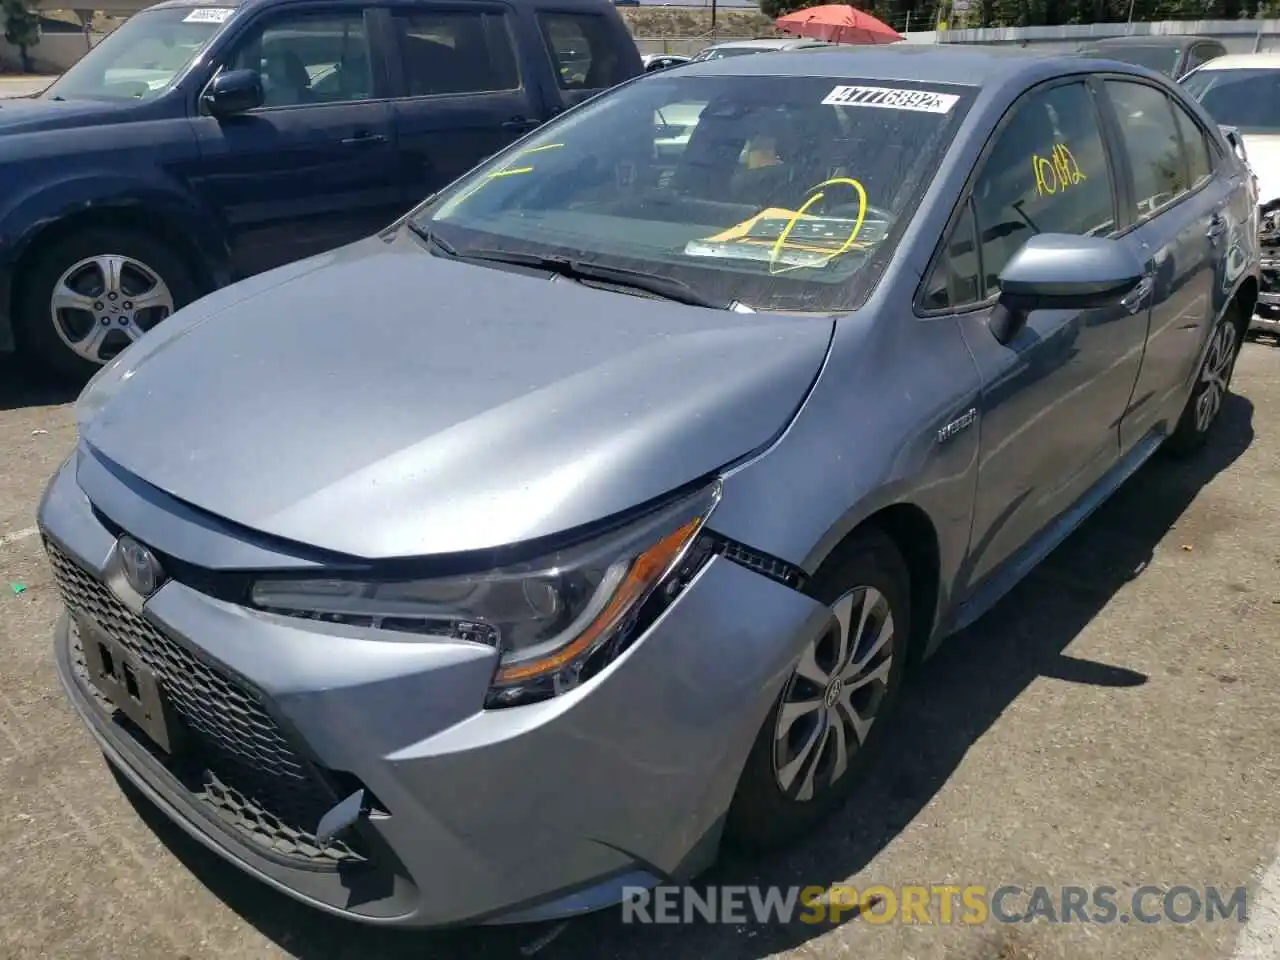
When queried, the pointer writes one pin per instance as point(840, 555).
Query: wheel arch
point(155, 223)
point(1245, 301)
point(915, 535)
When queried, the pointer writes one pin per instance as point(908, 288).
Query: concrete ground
point(1115, 721)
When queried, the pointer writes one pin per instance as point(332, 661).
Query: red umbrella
point(837, 23)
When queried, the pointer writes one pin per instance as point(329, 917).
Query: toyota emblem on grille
point(141, 568)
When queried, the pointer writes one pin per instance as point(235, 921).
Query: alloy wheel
point(102, 304)
point(834, 696)
point(1214, 375)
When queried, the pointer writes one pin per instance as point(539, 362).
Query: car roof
point(1244, 61)
point(928, 63)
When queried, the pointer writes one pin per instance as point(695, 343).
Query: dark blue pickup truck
point(204, 142)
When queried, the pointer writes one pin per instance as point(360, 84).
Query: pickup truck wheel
point(92, 294)
point(1213, 380)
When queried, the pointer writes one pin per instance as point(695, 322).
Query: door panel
point(1053, 398)
point(1180, 210)
point(463, 97)
point(314, 167)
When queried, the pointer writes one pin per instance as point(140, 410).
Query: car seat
point(285, 78)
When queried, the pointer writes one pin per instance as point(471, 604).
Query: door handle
point(1217, 227)
point(519, 124)
point(364, 138)
point(1134, 299)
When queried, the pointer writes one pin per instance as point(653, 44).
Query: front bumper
point(486, 816)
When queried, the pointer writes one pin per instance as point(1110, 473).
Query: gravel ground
point(1115, 721)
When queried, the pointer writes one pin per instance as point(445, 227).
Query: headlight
point(554, 621)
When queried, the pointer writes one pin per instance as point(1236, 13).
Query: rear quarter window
point(583, 50)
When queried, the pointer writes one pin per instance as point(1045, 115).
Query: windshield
point(1151, 56)
point(1248, 99)
point(782, 196)
point(142, 57)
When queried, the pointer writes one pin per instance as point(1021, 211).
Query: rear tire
point(1213, 382)
point(835, 702)
point(89, 295)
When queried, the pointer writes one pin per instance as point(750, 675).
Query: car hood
point(382, 402)
point(24, 115)
point(1264, 160)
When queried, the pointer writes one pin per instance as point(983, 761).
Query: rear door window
point(1196, 147)
point(454, 52)
point(1149, 135)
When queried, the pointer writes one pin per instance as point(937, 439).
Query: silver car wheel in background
point(1214, 374)
point(832, 699)
point(105, 294)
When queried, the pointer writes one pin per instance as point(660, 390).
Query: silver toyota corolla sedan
point(590, 516)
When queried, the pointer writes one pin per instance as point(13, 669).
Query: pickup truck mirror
point(1056, 271)
point(232, 92)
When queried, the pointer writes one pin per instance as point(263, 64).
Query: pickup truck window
point(140, 59)
point(582, 52)
point(448, 52)
point(310, 59)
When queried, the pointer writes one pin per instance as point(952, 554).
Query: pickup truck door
point(314, 167)
point(459, 90)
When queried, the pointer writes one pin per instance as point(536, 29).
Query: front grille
point(237, 761)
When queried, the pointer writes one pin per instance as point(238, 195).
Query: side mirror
point(1059, 271)
point(232, 92)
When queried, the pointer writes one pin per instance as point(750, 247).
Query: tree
point(21, 28)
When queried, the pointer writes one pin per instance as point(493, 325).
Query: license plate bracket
point(131, 686)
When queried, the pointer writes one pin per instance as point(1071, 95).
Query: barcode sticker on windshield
point(208, 15)
point(887, 98)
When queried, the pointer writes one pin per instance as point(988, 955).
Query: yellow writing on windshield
point(1056, 172)
point(804, 207)
point(791, 239)
point(509, 169)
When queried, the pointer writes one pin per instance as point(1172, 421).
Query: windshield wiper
point(433, 238)
point(667, 288)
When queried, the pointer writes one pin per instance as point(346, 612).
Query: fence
point(1238, 36)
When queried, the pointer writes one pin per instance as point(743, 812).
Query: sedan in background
point(653, 62)
point(593, 513)
point(1242, 92)
point(740, 48)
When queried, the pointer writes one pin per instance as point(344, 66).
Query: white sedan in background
point(1242, 91)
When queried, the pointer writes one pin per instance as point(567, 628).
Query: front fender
point(27, 213)
point(24, 215)
point(887, 423)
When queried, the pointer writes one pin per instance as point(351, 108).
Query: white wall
point(53, 54)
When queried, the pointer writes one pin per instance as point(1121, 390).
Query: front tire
point(831, 712)
point(93, 293)
point(1213, 380)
